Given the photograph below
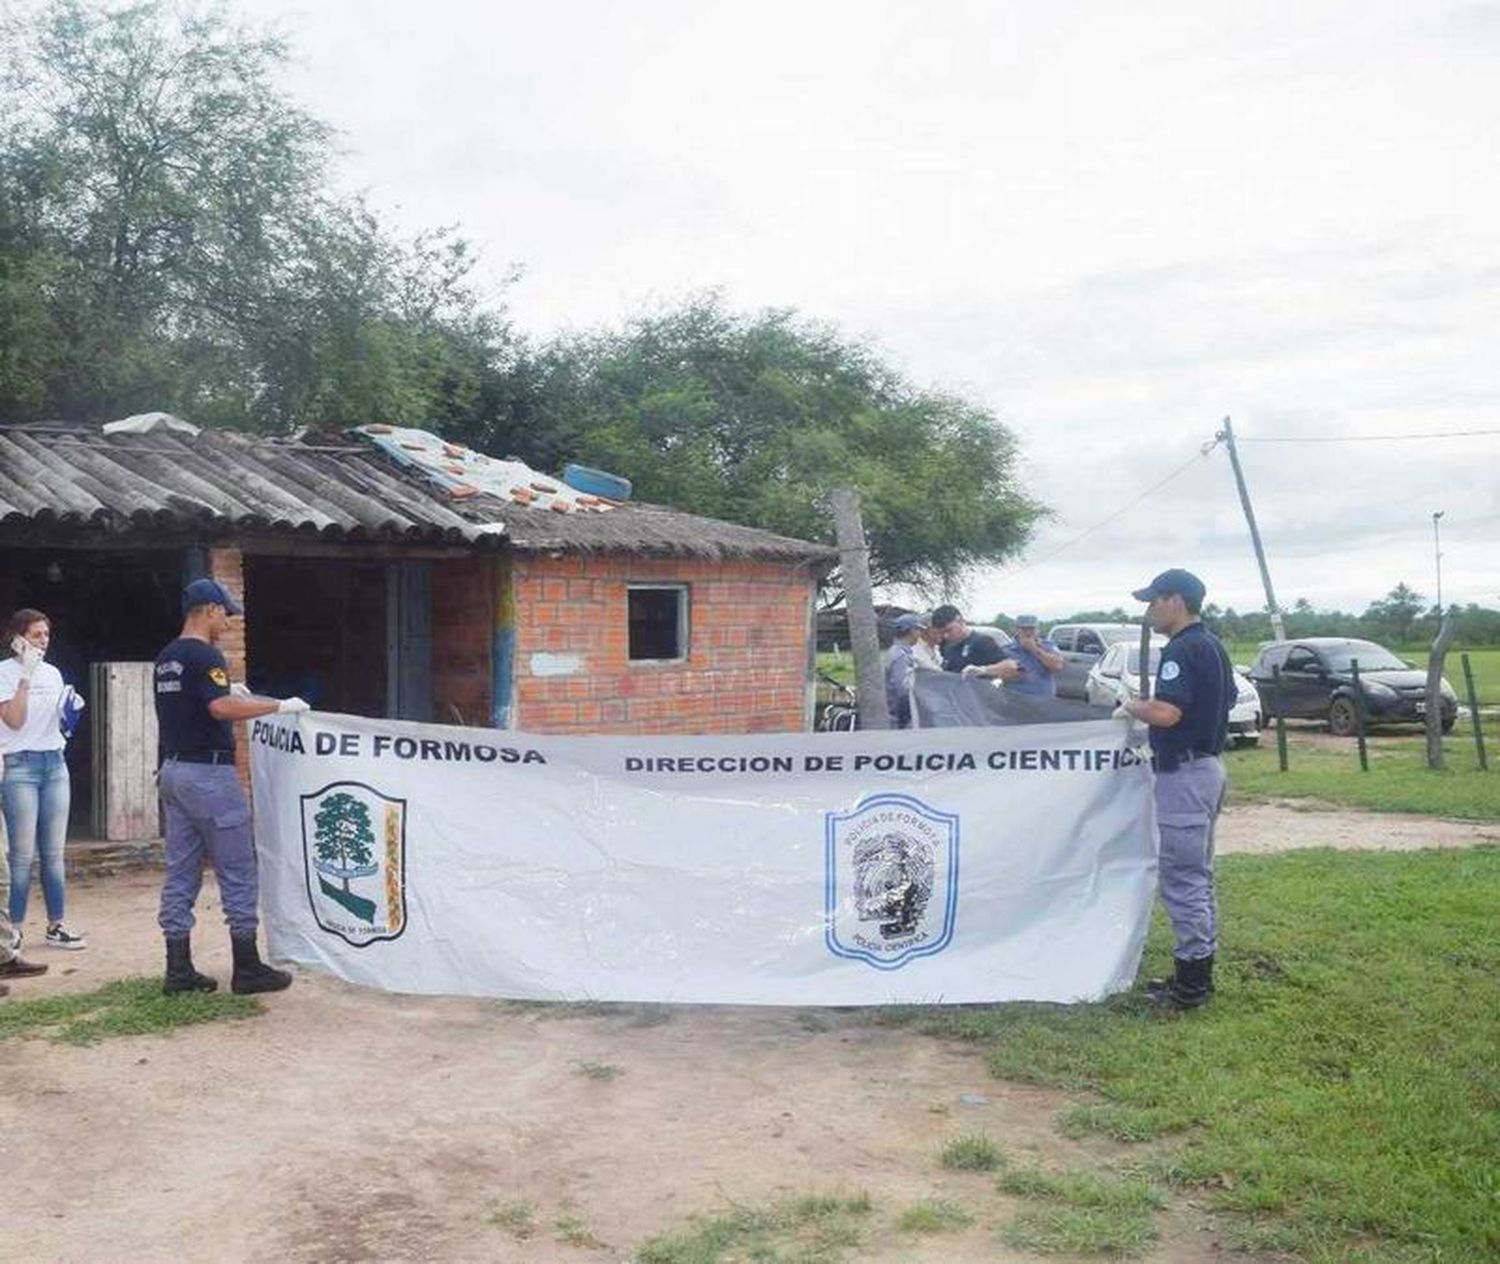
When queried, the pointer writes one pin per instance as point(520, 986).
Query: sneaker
point(59, 936)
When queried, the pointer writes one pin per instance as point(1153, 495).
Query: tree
point(754, 417)
point(1396, 612)
point(168, 239)
point(342, 836)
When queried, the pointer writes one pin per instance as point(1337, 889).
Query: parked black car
point(1317, 683)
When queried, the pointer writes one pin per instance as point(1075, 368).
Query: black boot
point(181, 977)
point(251, 974)
point(1190, 986)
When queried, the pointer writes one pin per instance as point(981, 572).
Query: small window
point(658, 622)
point(1089, 643)
point(1062, 638)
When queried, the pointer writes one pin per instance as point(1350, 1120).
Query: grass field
point(1340, 1097)
point(1398, 780)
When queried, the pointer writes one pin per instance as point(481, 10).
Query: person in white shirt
point(35, 794)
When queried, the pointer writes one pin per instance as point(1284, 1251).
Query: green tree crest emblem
point(343, 842)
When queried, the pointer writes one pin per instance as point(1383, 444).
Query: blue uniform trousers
point(206, 811)
point(1188, 800)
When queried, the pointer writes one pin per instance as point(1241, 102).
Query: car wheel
point(1343, 719)
point(1449, 721)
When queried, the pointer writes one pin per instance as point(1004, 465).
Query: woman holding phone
point(35, 794)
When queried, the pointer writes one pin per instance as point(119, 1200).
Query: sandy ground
point(345, 1124)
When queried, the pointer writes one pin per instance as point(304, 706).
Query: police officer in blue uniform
point(202, 800)
point(1189, 720)
point(969, 652)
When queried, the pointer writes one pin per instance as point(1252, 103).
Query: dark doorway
point(105, 607)
point(316, 627)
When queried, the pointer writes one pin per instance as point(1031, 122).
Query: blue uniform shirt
point(189, 674)
point(1196, 677)
point(1035, 678)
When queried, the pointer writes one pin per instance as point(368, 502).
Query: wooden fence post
point(1280, 717)
point(1359, 716)
point(864, 642)
point(1434, 716)
point(1474, 714)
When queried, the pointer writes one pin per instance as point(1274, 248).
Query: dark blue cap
point(209, 592)
point(1183, 583)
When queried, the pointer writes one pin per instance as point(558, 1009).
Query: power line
point(1202, 453)
point(1435, 434)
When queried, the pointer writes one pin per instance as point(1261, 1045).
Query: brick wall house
point(373, 589)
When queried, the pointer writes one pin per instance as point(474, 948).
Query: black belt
point(200, 757)
point(1184, 757)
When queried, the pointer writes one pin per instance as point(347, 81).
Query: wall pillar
point(227, 566)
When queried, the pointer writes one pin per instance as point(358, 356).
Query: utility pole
point(1437, 556)
point(864, 641)
point(1227, 436)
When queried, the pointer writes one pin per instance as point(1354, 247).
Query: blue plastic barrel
point(596, 482)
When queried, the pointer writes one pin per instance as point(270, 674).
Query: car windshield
point(1371, 657)
point(1133, 660)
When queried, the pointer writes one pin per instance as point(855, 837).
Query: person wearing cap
point(203, 803)
point(901, 666)
point(1188, 716)
point(971, 653)
point(1038, 659)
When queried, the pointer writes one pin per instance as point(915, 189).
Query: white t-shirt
point(41, 730)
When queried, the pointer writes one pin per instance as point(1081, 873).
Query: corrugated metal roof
point(76, 479)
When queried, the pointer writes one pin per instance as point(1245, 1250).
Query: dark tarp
point(943, 699)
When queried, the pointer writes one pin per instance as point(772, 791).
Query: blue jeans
point(36, 796)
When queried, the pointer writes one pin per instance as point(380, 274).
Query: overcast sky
point(1112, 224)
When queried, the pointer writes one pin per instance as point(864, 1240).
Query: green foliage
point(126, 1007)
point(1340, 1095)
point(816, 1229)
point(343, 832)
point(605, 1071)
point(973, 1153)
point(754, 418)
point(169, 239)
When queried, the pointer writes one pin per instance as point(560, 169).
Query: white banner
point(947, 865)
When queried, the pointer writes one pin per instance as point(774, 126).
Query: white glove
point(27, 655)
point(1120, 713)
point(237, 690)
point(292, 706)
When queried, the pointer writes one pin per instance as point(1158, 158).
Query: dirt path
point(1290, 824)
point(346, 1124)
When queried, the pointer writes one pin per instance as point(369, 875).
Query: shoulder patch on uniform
point(219, 677)
point(1170, 670)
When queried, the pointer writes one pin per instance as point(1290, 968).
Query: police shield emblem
point(354, 853)
point(891, 881)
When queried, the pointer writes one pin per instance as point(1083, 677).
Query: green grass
point(1398, 780)
point(597, 1070)
point(816, 1229)
point(1083, 1189)
point(1341, 1094)
point(934, 1216)
point(126, 1007)
point(517, 1218)
point(1106, 1232)
point(973, 1153)
point(572, 1230)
